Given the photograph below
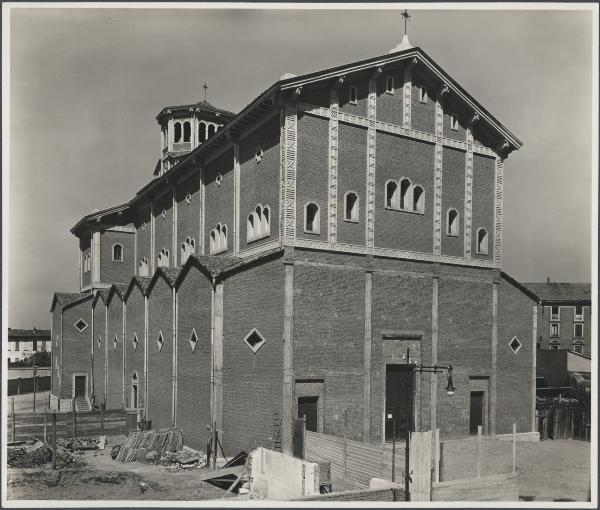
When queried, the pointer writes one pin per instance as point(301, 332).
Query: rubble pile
point(187, 458)
point(28, 455)
point(150, 445)
point(83, 443)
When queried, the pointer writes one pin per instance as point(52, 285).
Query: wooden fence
point(503, 487)
point(563, 423)
point(27, 426)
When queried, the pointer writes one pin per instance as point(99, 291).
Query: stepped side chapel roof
point(118, 289)
point(141, 282)
point(67, 299)
point(169, 274)
point(561, 292)
point(270, 98)
point(100, 294)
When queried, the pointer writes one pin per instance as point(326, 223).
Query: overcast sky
point(86, 85)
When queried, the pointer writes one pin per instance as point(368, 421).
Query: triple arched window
point(259, 223)
point(163, 258)
point(218, 239)
point(187, 248)
point(452, 222)
point(117, 253)
point(312, 218)
point(404, 196)
point(143, 267)
point(482, 241)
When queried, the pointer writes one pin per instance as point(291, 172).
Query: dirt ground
point(95, 476)
point(549, 471)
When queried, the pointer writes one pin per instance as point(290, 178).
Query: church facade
point(286, 260)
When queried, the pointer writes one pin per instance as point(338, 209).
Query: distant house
point(564, 316)
point(22, 343)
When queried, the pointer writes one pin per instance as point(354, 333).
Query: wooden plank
point(486, 488)
point(420, 463)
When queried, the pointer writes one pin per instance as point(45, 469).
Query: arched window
point(211, 130)
point(405, 194)
point(218, 239)
point(351, 207)
point(187, 131)
point(202, 132)
point(163, 258)
point(250, 230)
point(177, 133)
point(482, 241)
point(311, 218)
point(266, 221)
point(392, 197)
point(187, 248)
point(258, 224)
point(418, 199)
point(117, 253)
point(143, 267)
point(452, 222)
point(578, 346)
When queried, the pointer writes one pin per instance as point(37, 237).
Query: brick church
point(282, 260)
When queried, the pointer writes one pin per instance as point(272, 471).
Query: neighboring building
point(22, 343)
point(564, 316)
point(284, 266)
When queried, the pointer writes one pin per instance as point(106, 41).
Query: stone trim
point(119, 228)
point(289, 172)
point(468, 194)
point(407, 95)
point(437, 180)
point(333, 166)
point(236, 197)
point(498, 214)
point(371, 150)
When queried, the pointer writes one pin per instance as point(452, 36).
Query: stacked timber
point(150, 445)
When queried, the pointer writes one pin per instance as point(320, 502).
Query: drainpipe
point(174, 368)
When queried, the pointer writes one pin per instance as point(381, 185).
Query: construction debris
point(28, 455)
point(83, 443)
point(115, 451)
point(140, 443)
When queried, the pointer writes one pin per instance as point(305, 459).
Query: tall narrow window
point(405, 194)
point(311, 218)
point(454, 122)
point(187, 248)
point(177, 133)
point(579, 313)
point(389, 84)
point(353, 95)
point(202, 132)
point(211, 130)
point(143, 267)
point(117, 254)
point(258, 224)
point(351, 207)
point(482, 241)
point(418, 199)
point(578, 331)
point(452, 222)
point(555, 313)
point(218, 239)
point(187, 131)
point(392, 197)
point(422, 94)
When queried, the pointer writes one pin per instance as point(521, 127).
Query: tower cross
point(406, 17)
point(205, 87)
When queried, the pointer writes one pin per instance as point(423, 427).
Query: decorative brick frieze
point(333, 165)
point(290, 144)
point(407, 95)
point(468, 194)
point(255, 250)
point(437, 180)
point(236, 197)
point(498, 219)
point(371, 147)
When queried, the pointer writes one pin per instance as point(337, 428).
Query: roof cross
point(205, 87)
point(406, 17)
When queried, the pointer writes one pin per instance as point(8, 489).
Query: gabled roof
point(67, 299)
point(555, 292)
point(220, 266)
point(118, 289)
point(168, 274)
point(100, 294)
point(141, 282)
point(98, 215)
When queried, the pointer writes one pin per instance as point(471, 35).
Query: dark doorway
point(397, 400)
point(308, 406)
point(80, 385)
point(476, 411)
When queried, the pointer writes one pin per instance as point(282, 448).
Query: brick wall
point(389, 106)
point(514, 386)
point(259, 182)
point(113, 271)
point(188, 215)
point(423, 114)
point(319, 96)
point(453, 196)
point(114, 391)
point(143, 233)
point(163, 227)
point(483, 203)
point(252, 383)
point(219, 199)
point(312, 172)
point(194, 367)
point(134, 356)
point(160, 363)
point(99, 312)
point(361, 81)
point(76, 346)
point(328, 341)
point(397, 158)
point(455, 134)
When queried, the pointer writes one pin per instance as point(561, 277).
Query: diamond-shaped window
point(81, 325)
point(160, 341)
point(515, 345)
point(135, 342)
point(193, 340)
point(99, 341)
point(116, 342)
point(254, 340)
